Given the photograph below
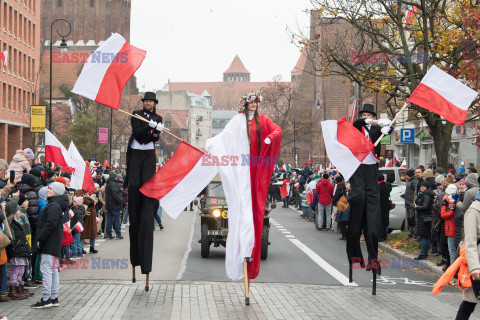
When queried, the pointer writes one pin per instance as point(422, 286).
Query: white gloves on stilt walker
point(156, 126)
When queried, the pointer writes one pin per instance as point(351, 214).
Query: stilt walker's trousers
point(141, 209)
point(364, 214)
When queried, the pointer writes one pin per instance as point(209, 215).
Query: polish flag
point(106, 163)
point(55, 152)
point(404, 164)
point(395, 159)
point(284, 167)
point(81, 178)
point(78, 227)
point(346, 146)
point(107, 71)
point(285, 189)
point(180, 179)
point(70, 214)
point(441, 93)
point(66, 226)
point(4, 57)
point(388, 163)
point(297, 185)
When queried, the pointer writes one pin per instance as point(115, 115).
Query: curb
point(432, 267)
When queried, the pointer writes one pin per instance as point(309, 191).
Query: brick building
point(90, 19)
point(20, 37)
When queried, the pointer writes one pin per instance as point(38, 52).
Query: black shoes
point(55, 302)
point(421, 257)
point(161, 226)
point(119, 237)
point(42, 304)
point(441, 263)
point(92, 250)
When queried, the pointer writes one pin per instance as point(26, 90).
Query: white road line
point(323, 264)
point(286, 232)
point(289, 236)
point(183, 265)
point(279, 227)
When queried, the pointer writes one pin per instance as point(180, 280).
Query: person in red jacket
point(324, 194)
point(448, 213)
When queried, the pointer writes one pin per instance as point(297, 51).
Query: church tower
point(236, 72)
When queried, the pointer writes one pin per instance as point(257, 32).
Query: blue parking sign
point(407, 135)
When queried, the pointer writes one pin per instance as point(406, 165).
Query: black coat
point(50, 226)
point(424, 204)
point(142, 132)
point(32, 210)
point(21, 248)
point(385, 189)
point(113, 196)
point(374, 133)
point(339, 192)
point(78, 213)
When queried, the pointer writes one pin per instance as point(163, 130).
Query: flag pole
point(143, 119)
point(246, 282)
point(405, 105)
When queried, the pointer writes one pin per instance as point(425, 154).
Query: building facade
point(20, 37)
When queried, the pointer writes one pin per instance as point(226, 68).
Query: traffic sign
point(407, 135)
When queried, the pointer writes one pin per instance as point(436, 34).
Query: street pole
point(111, 134)
point(324, 118)
point(63, 44)
point(294, 144)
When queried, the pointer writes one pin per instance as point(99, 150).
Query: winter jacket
point(385, 189)
point(424, 208)
point(113, 196)
point(324, 190)
point(78, 213)
point(21, 248)
point(50, 226)
point(472, 183)
point(472, 235)
point(19, 164)
point(339, 192)
point(41, 205)
point(448, 216)
point(32, 210)
point(409, 195)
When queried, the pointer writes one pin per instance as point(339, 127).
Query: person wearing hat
point(365, 195)
point(49, 243)
point(448, 214)
point(141, 166)
point(409, 197)
point(423, 208)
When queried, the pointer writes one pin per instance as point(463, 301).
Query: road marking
point(289, 236)
point(286, 232)
point(323, 264)
point(283, 229)
point(183, 264)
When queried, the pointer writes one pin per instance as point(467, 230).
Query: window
point(59, 3)
point(92, 3)
point(168, 124)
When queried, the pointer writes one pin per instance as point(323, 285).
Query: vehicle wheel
point(264, 247)
point(205, 243)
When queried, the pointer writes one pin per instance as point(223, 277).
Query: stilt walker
point(141, 166)
point(365, 198)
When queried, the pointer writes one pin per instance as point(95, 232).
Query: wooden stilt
point(350, 273)
point(133, 275)
point(374, 284)
point(246, 281)
point(147, 282)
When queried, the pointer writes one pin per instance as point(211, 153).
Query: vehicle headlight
point(216, 213)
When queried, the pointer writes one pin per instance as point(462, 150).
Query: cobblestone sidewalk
point(224, 300)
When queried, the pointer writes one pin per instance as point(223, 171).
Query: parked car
point(397, 177)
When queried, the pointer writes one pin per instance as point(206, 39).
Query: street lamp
point(63, 45)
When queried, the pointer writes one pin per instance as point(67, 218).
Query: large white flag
point(81, 178)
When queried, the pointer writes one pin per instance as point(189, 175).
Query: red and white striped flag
point(4, 57)
point(108, 70)
point(404, 164)
point(395, 159)
point(82, 178)
point(388, 163)
point(55, 152)
point(346, 146)
point(297, 185)
point(441, 93)
point(78, 227)
point(70, 214)
point(66, 226)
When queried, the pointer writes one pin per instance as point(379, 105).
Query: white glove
point(368, 121)
point(152, 124)
point(267, 141)
point(160, 127)
point(384, 122)
point(386, 131)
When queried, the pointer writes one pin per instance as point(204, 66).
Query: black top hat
point(369, 108)
point(150, 96)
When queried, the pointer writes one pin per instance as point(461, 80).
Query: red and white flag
point(55, 152)
point(70, 214)
point(106, 163)
point(388, 163)
point(4, 57)
point(284, 167)
point(81, 178)
point(107, 71)
point(404, 164)
point(66, 226)
point(346, 146)
point(441, 93)
point(395, 159)
point(297, 185)
point(285, 188)
point(180, 179)
point(78, 227)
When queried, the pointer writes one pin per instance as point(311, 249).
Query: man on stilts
point(141, 166)
point(365, 197)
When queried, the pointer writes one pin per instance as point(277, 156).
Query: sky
point(196, 40)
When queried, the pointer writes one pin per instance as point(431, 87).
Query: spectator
point(409, 201)
point(344, 211)
point(20, 164)
point(4, 227)
point(78, 212)
point(90, 220)
point(3, 173)
point(448, 214)
point(436, 219)
point(472, 238)
point(49, 242)
point(20, 251)
point(471, 170)
point(324, 191)
point(385, 189)
point(42, 199)
point(114, 203)
point(51, 176)
point(423, 208)
point(338, 192)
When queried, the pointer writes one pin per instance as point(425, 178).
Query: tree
point(387, 46)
